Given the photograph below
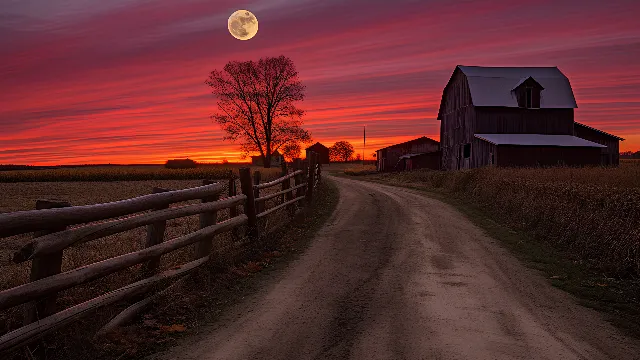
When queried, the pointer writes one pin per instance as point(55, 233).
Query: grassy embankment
point(581, 227)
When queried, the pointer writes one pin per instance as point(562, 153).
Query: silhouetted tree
point(256, 104)
point(341, 151)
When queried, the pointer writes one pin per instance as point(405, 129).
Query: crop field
point(592, 213)
point(129, 173)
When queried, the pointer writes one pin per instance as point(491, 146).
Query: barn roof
point(317, 145)
point(493, 86)
point(420, 139)
point(409, 156)
point(537, 140)
point(600, 131)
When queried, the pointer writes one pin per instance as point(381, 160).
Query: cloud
point(123, 81)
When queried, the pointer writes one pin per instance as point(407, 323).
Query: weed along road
point(396, 275)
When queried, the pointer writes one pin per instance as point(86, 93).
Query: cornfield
point(592, 213)
point(126, 173)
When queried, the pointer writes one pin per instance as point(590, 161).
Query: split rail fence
point(51, 237)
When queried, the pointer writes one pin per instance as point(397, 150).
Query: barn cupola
point(527, 91)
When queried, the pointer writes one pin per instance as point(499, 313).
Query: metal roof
point(492, 86)
point(600, 131)
point(407, 156)
point(522, 81)
point(420, 139)
point(537, 140)
point(316, 145)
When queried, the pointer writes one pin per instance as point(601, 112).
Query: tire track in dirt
point(397, 275)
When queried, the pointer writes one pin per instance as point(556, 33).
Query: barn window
point(467, 150)
point(527, 93)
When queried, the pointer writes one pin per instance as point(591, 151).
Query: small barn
point(276, 159)
point(321, 150)
point(610, 154)
point(515, 116)
point(391, 157)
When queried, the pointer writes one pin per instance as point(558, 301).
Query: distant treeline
point(9, 167)
point(630, 155)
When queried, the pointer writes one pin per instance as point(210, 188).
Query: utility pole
point(364, 142)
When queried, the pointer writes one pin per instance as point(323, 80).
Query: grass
point(580, 227)
point(130, 173)
point(21, 196)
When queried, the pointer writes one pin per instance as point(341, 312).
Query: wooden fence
point(51, 237)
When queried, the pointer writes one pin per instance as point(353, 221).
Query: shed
point(388, 158)
point(610, 155)
point(321, 150)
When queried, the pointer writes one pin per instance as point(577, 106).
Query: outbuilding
point(391, 157)
point(321, 150)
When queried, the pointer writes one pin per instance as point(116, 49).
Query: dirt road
point(396, 275)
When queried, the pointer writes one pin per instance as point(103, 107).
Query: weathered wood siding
point(531, 156)
point(389, 158)
point(504, 120)
point(483, 153)
point(609, 155)
point(321, 150)
point(430, 160)
point(457, 119)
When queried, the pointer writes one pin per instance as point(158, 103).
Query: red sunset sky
point(122, 81)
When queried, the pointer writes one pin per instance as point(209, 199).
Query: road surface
point(396, 275)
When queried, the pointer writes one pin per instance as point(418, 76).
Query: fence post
point(285, 184)
point(256, 192)
point(203, 248)
point(233, 211)
point(45, 266)
point(311, 178)
point(246, 185)
point(155, 235)
point(319, 165)
point(297, 180)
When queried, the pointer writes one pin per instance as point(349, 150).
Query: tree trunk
point(267, 161)
point(267, 156)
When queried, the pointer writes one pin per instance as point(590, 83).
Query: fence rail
point(51, 237)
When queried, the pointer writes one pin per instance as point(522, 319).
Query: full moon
point(243, 25)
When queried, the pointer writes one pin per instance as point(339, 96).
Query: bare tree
point(256, 104)
point(341, 151)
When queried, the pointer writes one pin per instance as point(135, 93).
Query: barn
point(321, 150)
point(409, 155)
point(512, 116)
